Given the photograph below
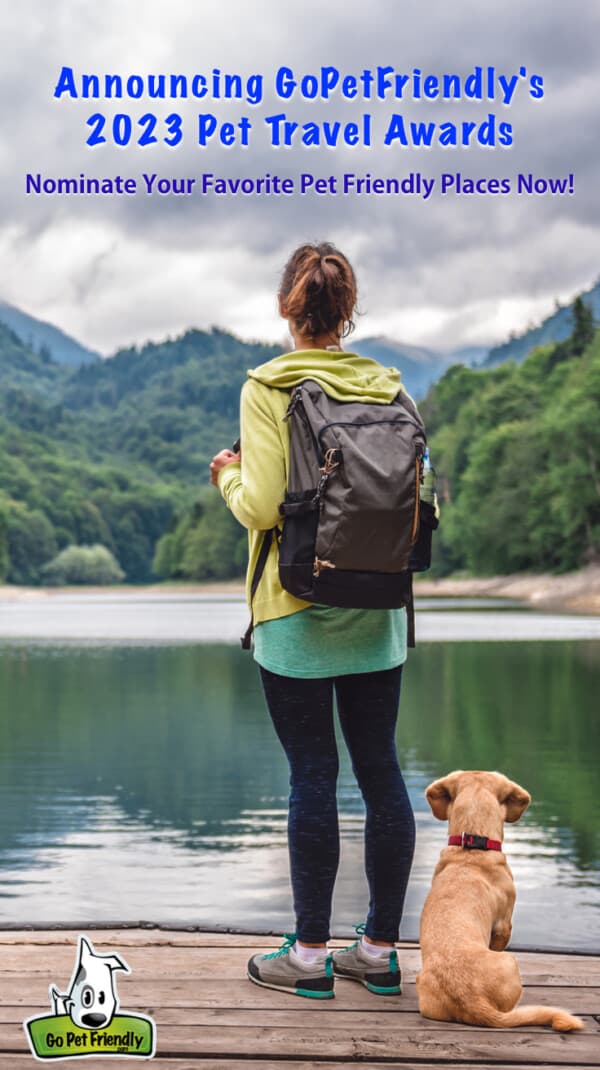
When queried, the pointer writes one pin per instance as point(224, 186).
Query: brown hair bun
point(318, 290)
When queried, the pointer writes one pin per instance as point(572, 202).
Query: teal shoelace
point(357, 929)
point(360, 929)
point(288, 943)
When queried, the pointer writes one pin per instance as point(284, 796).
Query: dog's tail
point(559, 1019)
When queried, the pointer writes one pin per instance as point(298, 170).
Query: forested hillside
point(517, 451)
point(114, 454)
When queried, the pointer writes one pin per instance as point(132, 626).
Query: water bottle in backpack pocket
point(420, 558)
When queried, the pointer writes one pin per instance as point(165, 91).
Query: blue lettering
point(66, 83)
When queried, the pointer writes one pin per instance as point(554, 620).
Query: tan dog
point(466, 921)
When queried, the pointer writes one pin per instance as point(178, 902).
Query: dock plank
point(230, 964)
point(18, 993)
point(150, 937)
point(209, 1015)
point(227, 962)
point(15, 1061)
point(449, 1044)
point(330, 1017)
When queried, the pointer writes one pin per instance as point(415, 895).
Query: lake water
point(141, 779)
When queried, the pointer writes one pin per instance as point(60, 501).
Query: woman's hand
point(220, 460)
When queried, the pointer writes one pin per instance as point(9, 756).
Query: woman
point(306, 651)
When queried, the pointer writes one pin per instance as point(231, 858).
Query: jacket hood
point(345, 376)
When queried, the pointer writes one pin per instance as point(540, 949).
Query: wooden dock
point(209, 1016)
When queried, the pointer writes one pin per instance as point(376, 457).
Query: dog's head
point(477, 802)
point(92, 999)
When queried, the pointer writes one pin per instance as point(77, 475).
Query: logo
point(85, 1020)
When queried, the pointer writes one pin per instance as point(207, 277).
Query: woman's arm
point(254, 486)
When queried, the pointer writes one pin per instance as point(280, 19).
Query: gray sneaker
point(380, 975)
point(278, 970)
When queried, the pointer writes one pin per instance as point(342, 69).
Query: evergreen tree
point(583, 327)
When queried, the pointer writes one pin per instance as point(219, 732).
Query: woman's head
point(318, 292)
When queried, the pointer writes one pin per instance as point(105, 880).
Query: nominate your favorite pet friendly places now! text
point(207, 184)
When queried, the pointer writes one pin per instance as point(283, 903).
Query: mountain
point(555, 328)
point(163, 405)
point(419, 367)
point(467, 355)
point(46, 339)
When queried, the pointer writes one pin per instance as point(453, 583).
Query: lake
point(142, 780)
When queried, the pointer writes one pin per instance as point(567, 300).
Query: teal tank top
point(324, 640)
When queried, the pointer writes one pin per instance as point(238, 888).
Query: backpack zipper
point(367, 423)
point(418, 464)
point(294, 403)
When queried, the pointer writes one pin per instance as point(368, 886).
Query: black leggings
point(302, 713)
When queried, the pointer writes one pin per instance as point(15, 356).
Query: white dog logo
point(92, 998)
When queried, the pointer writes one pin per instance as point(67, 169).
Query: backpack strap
point(410, 614)
point(258, 571)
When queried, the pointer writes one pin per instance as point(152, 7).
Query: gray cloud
point(446, 271)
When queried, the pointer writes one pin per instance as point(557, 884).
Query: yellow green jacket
point(254, 487)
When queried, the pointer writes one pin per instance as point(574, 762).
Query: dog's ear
point(440, 794)
point(516, 800)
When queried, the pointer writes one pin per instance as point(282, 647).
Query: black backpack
point(355, 526)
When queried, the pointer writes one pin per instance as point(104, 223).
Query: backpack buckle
point(333, 457)
point(319, 563)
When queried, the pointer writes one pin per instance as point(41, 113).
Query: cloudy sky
point(445, 271)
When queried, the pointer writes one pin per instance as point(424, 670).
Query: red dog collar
point(474, 843)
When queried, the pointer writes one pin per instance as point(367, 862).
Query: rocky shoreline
point(573, 592)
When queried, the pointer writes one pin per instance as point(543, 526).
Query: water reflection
point(147, 783)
